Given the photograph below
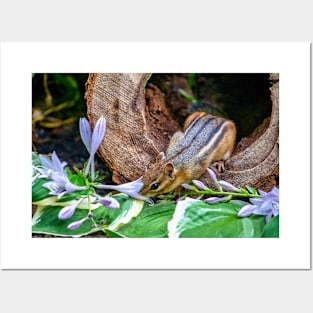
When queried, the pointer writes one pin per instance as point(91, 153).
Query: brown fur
point(205, 139)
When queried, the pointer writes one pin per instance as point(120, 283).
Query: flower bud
point(200, 185)
point(110, 203)
point(246, 210)
point(187, 186)
point(212, 175)
point(213, 200)
point(77, 224)
point(228, 186)
point(67, 212)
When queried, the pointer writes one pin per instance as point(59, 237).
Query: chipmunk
point(206, 139)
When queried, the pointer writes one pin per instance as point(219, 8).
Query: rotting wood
point(139, 126)
point(136, 129)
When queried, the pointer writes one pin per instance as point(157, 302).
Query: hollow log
point(141, 121)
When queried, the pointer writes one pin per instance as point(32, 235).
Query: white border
point(20, 251)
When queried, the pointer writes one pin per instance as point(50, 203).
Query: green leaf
point(128, 210)
point(147, 79)
point(244, 191)
point(186, 95)
point(35, 159)
point(192, 80)
point(125, 204)
point(73, 195)
point(271, 229)
point(79, 173)
point(197, 219)
point(38, 191)
point(76, 179)
point(241, 203)
point(113, 234)
point(46, 221)
point(252, 190)
point(152, 221)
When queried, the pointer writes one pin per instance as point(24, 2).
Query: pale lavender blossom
point(77, 224)
point(68, 211)
point(55, 188)
point(212, 175)
point(200, 185)
point(228, 186)
point(60, 187)
point(213, 200)
point(187, 186)
point(51, 166)
point(267, 205)
point(92, 141)
point(85, 133)
point(132, 189)
point(59, 183)
point(110, 203)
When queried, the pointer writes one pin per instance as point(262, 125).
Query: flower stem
point(221, 193)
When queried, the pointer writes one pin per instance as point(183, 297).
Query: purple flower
point(92, 141)
point(187, 186)
point(68, 211)
point(51, 166)
point(85, 133)
point(59, 183)
point(213, 200)
point(212, 175)
point(132, 189)
point(110, 203)
point(200, 185)
point(77, 224)
point(228, 186)
point(267, 205)
point(55, 188)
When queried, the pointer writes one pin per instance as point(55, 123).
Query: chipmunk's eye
point(154, 186)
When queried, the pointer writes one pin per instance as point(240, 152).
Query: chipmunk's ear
point(169, 170)
point(160, 157)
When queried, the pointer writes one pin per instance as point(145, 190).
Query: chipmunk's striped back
point(205, 139)
point(200, 140)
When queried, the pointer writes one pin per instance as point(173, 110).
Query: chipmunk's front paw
point(219, 166)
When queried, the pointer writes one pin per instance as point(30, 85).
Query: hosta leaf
point(73, 195)
point(47, 222)
point(129, 209)
point(271, 229)
point(35, 159)
point(197, 219)
point(113, 234)
point(152, 221)
point(38, 191)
